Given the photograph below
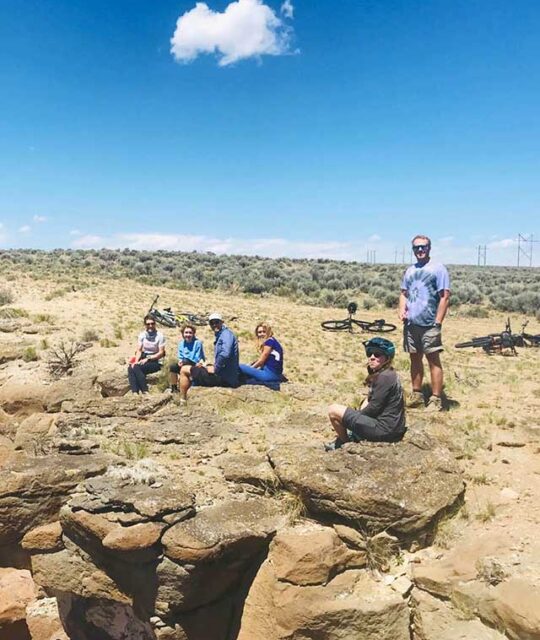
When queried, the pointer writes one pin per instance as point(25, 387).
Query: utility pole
point(482, 253)
point(525, 249)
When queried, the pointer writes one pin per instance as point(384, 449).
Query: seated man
point(224, 372)
point(190, 352)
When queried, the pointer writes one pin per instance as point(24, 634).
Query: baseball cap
point(215, 316)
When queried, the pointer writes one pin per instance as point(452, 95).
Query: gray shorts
point(417, 339)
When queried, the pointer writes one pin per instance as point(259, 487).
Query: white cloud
point(245, 29)
point(271, 247)
point(37, 218)
point(75, 232)
point(287, 9)
point(25, 228)
point(374, 238)
point(446, 240)
point(89, 241)
point(505, 243)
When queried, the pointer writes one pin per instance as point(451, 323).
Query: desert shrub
point(368, 303)
point(391, 300)
point(8, 313)
point(476, 312)
point(89, 335)
point(63, 358)
point(30, 354)
point(5, 297)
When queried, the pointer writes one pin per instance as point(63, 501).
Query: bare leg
point(185, 380)
point(335, 415)
point(417, 371)
point(173, 378)
point(436, 371)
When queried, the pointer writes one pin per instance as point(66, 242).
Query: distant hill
point(316, 282)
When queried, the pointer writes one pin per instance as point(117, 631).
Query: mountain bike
point(168, 318)
point(373, 326)
point(527, 339)
point(495, 342)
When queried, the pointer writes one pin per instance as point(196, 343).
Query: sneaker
point(415, 399)
point(182, 402)
point(171, 390)
point(434, 404)
point(332, 446)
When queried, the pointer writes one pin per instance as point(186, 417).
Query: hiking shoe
point(332, 446)
point(182, 402)
point(171, 390)
point(415, 399)
point(434, 404)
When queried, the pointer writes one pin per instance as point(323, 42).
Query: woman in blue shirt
point(267, 369)
point(190, 352)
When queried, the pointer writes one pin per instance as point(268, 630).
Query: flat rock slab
point(222, 528)
point(194, 429)
point(400, 487)
point(130, 406)
point(124, 495)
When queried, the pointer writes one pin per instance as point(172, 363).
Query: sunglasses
point(150, 324)
point(377, 354)
point(420, 247)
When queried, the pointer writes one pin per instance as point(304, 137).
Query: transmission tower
point(482, 254)
point(525, 249)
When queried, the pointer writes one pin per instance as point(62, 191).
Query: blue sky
point(300, 128)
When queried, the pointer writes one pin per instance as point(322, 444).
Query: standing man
point(224, 372)
point(423, 303)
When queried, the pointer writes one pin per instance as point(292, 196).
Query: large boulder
point(32, 490)
point(43, 620)
point(34, 431)
point(206, 556)
point(310, 586)
point(403, 488)
point(17, 590)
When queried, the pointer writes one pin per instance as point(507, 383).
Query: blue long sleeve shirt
point(226, 356)
point(193, 350)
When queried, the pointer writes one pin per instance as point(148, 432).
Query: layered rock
point(403, 488)
point(311, 585)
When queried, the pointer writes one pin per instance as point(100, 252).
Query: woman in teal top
point(190, 352)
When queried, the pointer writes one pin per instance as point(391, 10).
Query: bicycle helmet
point(352, 308)
point(380, 345)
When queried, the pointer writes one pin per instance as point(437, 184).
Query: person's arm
point(261, 360)
point(160, 353)
point(444, 302)
point(180, 352)
point(379, 398)
point(224, 350)
point(198, 353)
point(402, 310)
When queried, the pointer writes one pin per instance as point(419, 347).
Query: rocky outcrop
point(403, 488)
point(311, 585)
point(33, 489)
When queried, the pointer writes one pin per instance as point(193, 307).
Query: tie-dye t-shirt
point(422, 284)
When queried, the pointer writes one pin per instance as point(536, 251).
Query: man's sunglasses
point(150, 324)
point(420, 247)
point(377, 354)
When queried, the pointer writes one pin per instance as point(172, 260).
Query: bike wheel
point(478, 343)
point(161, 319)
point(199, 321)
point(336, 325)
point(380, 326)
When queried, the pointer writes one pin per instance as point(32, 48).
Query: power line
point(525, 249)
point(482, 255)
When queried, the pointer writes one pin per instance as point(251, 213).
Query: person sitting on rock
point(225, 370)
point(190, 353)
point(148, 357)
point(382, 415)
point(267, 369)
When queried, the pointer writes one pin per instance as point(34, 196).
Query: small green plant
point(5, 297)
point(107, 343)
point(30, 354)
point(480, 479)
point(118, 333)
point(57, 293)
point(43, 318)
point(380, 550)
point(487, 513)
point(43, 344)
point(9, 313)
point(89, 335)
